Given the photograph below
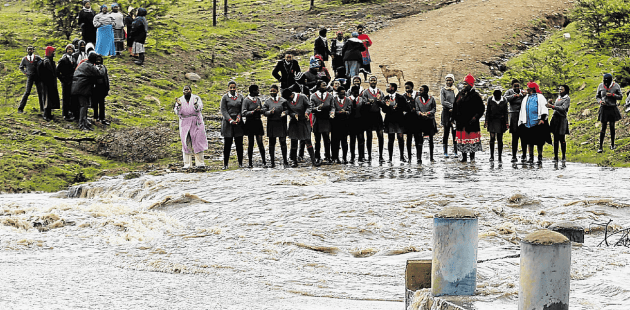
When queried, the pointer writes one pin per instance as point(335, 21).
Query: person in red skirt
point(467, 110)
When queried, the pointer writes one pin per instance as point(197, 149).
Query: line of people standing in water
point(334, 112)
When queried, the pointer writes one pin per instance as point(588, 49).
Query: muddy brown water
point(335, 237)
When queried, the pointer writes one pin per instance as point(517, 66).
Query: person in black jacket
point(395, 107)
point(285, 71)
point(497, 121)
point(47, 72)
point(352, 55)
point(101, 90)
point(467, 110)
point(336, 48)
point(65, 72)
point(28, 66)
point(321, 45)
point(139, 29)
point(86, 18)
point(83, 81)
point(128, 20)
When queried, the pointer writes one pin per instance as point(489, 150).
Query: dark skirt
point(497, 126)
point(427, 127)
point(446, 118)
point(559, 125)
point(412, 123)
point(513, 122)
point(299, 129)
point(608, 114)
point(536, 135)
point(321, 125)
point(355, 126)
point(394, 127)
point(254, 127)
point(277, 128)
point(372, 121)
point(231, 131)
point(341, 126)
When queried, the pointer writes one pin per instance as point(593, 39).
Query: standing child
point(128, 23)
point(275, 109)
point(139, 29)
point(321, 102)
point(232, 125)
point(496, 121)
point(356, 125)
point(559, 124)
point(394, 108)
point(28, 66)
point(342, 109)
point(252, 109)
point(299, 109)
point(425, 109)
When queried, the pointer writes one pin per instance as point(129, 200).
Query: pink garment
point(191, 123)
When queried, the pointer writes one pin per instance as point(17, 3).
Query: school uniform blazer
point(611, 101)
point(321, 48)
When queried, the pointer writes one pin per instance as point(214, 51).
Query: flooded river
point(334, 237)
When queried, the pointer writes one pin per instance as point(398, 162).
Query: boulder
point(193, 76)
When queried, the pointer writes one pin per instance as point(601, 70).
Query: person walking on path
point(366, 68)
point(336, 48)
point(83, 81)
point(395, 108)
point(533, 123)
point(322, 105)
point(104, 23)
point(285, 71)
point(65, 72)
point(342, 111)
point(86, 22)
point(352, 55)
point(253, 127)
point(496, 121)
point(275, 109)
point(119, 29)
point(467, 110)
point(47, 71)
point(447, 99)
point(559, 124)
point(356, 126)
point(299, 108)
point(139, 30)
point(192, 130)
point(608, 92)
point(373, 99)
point(321, 45)
point(28, 66)
point(425, 108)
point(101, 90)
point(515, 96)
point(232, 125)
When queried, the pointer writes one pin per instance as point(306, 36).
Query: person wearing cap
point(533, 123)
point(285, 71)
point(322, 106)
point(336, 48)
point(467, 110)
point(275, 109)
point(447, 99)
point(515, 96)
point(299, 109)
point(496, 121)
point(352, 56)
point(28, 66)
point(86, 22)
point(65, 72)
point(321, 45)
point(355, 124)
point(47, 71)
point(231, 107)
point(365, 66)
point(310, 78)
point(253, 127)
point(131, 15)
point(104, 23)
point(119, 29)
point(608, 92)
point(192, 130)
point(373, 99)
point(425, 108)
point(559, 124)
point(139, 30)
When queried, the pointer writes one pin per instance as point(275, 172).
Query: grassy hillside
point(578, 64)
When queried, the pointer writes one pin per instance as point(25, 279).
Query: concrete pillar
point(455, 238)
point(545, 271)
point(417, 277)
point(570, 230)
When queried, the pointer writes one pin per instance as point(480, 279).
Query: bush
point(606, 22)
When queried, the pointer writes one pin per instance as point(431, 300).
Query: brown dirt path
point(454, 39)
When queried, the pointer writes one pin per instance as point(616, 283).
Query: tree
point(64, 14)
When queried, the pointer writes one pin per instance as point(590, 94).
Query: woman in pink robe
point(191, 128)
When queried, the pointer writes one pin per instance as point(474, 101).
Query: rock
point(582, 87)
point(152, 98)
point(567, 36)
point(193, 76)
point(586, 112)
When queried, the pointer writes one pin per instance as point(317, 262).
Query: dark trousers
point(98, 104)
point(339, 137)
point(515, 137)
point(449, 130)
point(354, 136)
point(67, 108)
point(30, 80)
point(84, 104)
point(227, 147)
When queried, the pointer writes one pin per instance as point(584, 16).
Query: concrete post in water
point(570, 230)
point(545, 271)
point(455, 238)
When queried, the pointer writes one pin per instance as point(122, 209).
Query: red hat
point(49, 51)
point(470, 80)
point(533, 85)
point(318, 56)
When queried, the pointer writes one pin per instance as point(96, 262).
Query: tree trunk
point(225, 9)
point(214, 13)
point(312, 4)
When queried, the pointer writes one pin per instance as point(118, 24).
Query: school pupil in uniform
point(425, 108)
point(253, 127)
point(447, 99)
point(496, 121)
point(559, 124)
point(321, 102)
point(65, 72)
point(608, 92)
point(192, 130)
point(467, 110)
point(275, 109)
point(373, 99)
point(321, 45)
point(299, 108)
point(356, 126)
point(533, 121)
point(131, 15)
point(515, 96)
point(232, 125)
point(394, 108)
point(342, 111)
point(28, 66)
point(411, 120)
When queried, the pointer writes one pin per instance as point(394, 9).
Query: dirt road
point(454, 39)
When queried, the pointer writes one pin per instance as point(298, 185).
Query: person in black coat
point(83, 81)
point(139, 29)
point(285, 71)
point(395, 107)
point(128, 20)
point(65, 72)
point(336, 47)
point(28, 66)
point(86, 18)
point(497, 121)
point(352, 56)
point(467, 110)
point(321, 45)
point(101, 90)
point(47, 72)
